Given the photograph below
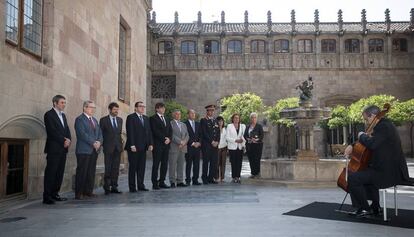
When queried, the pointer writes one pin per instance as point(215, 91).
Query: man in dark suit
point(57, 143)
point(192, 157)
point(139, 140)
point(387, 166)
point(162, 135)
point(209, 145)
point(111, 127)
point(88, 144)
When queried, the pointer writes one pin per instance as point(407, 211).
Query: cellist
point(387, 166)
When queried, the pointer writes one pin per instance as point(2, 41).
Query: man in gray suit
point(88, 144)
point(178, 149)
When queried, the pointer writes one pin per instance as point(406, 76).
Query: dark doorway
point(13, 167)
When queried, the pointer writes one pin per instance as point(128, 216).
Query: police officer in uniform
point(209, 145)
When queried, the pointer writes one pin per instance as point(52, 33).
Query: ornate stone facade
point(347, 60)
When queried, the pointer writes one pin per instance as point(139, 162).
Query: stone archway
point(31, 128)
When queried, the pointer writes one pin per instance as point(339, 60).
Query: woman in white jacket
point(235, 145)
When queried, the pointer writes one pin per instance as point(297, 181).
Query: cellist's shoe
point(363, 213)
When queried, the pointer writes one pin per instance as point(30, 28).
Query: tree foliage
point(339, 117)
point(355, 109)
point(273, 113)
point(242, 104)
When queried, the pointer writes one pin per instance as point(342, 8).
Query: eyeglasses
point(142, 106)
point(93, 107)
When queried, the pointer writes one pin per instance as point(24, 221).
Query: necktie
point(178, 125)
point(114, 125)
point(192, 125)
point(163, 120)
point(141, 119)
point(61, 118)
point(91, 123)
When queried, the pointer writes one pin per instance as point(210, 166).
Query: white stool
point(384, 201)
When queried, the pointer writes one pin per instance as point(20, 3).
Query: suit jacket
point(193, 136)
point(387, 161)
point(112, 140)
point(86, 135)
point(178, 135)
point(257, 133)
point(138, 135)
point(210, 132)
point(232, 135)
point(56, 133)
point(160, 130)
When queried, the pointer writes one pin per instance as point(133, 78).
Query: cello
point(360, 155)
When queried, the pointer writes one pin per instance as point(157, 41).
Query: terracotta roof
point(261, 28)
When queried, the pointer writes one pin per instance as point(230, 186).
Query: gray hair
point(371, 110)
point(176, 110)
point(191, 110)
point(86, 103)
point(253, 114)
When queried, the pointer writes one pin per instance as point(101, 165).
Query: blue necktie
point(114, 122)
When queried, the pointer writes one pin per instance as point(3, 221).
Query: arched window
point(165, 47)
point(328, 46)
point(188, 47)
point(399, 45)
point(257, 46)
point(234, 46)
point(282, 46)
point(375, 45)
point(305, 46)
point(211, 47)
point(352, 46)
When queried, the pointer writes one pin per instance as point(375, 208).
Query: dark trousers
point(210, 163)
point(361, 188)
point(222, 156)
point(192, 160)
point(254, 153)
point(112, 161)
point(55, 168)
point(137, 161)
point(160, 158)
point(236, 159)
point(85, 173)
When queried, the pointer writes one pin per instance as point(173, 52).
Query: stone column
point(306, 146)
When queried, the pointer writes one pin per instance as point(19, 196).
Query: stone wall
point(79, 60)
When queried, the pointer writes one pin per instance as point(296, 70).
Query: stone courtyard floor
point(249, 209)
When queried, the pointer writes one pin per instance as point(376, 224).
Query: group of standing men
point(171, 141)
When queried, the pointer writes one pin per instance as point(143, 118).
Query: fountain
point(307, 167)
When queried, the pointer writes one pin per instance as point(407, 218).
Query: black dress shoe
point(363, 213)
point(48, 201)
point(196, 183)
point(155, 187)
point(115, 190)
point(59, 198)
point(143, 189)
point(163, 185)
point(213, 182)
point(182, 185)
point(205, 182)
point(172, 185)
point(377, 211)
point(107, 192)
point(132, 190)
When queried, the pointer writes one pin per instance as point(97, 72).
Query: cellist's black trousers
point(361, 188)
